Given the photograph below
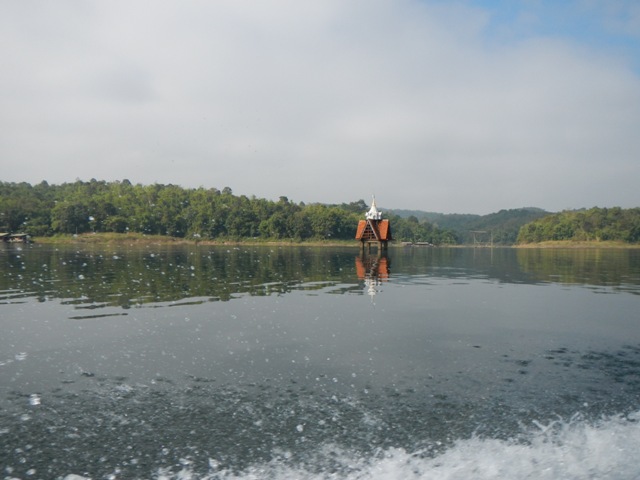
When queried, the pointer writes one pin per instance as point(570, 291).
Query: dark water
point(222, 362)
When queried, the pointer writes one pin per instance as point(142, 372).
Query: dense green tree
point(157, 209)
point(595, 224)
point(70, 217)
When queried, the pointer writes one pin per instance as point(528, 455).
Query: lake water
point(314, 363)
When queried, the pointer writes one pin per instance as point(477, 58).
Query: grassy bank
point(576, 244)
point(140, 239)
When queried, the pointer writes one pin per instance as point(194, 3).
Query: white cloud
point(319, 101)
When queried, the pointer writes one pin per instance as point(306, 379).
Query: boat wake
point(561, 450)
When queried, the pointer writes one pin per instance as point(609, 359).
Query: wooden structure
point(374, 230)
point(480, 238)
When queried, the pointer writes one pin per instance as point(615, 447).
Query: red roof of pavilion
point(378, 230)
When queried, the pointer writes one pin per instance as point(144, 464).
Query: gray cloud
point(319, 101)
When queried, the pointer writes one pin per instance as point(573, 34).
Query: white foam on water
point(571, 450)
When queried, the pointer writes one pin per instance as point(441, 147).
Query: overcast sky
point(463, 106)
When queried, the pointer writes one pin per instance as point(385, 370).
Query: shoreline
point(141, 239)
point(570, 244)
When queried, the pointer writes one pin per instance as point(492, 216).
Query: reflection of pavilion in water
point(373, 270)
point(373, 230)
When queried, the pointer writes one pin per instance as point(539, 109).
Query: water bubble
point(300, 428)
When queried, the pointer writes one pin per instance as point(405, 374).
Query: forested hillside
point(595, 224)
point(502, 227)
point(99, 206)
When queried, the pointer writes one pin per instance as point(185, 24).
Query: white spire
point(373, 213)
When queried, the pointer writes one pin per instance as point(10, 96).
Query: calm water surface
point(256, 362)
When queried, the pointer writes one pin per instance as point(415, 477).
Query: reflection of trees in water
point(493, 263)
point(163, 274)
point(602, 267)
point(126, 277)
point(599, 267)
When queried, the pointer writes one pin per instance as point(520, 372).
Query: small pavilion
point(374, 230)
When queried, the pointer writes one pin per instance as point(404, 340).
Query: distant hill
point(503, 226)
point(419, 214)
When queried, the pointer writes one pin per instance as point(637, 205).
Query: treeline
point(121, 207)
point(501, 228)
point(595, 224)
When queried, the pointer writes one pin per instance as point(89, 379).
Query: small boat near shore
point(14, 237)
